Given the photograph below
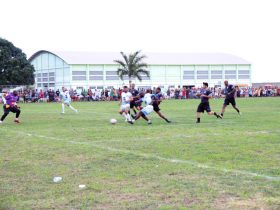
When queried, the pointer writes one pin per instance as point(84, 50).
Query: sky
point(246, 28)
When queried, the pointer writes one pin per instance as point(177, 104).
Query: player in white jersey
point(66, 100)
point(126, 97)
point(148, 109)
point(3, 95)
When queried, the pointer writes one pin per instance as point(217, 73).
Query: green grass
point(232, 163)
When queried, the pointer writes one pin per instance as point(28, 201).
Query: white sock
point(124, 115)
point(128, 117)
point(62, 108)
point(71, 107)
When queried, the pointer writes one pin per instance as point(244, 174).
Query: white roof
point(152, 58)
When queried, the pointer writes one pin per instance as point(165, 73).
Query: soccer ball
point(113, 121)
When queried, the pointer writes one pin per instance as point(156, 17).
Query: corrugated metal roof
point(152, 58)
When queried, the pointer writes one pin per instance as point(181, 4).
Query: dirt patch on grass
point(227, 201)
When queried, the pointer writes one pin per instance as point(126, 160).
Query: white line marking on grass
point(189, 162)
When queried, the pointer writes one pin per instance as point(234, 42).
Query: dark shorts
point(133, 104)
point(11, 109)
point(156, 107)
point(230, 101)
point(203, 107)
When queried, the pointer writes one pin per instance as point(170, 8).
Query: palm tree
point(132, 66)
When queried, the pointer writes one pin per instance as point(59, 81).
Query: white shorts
point(125, 107)
point(67, 103)
point(147, 110)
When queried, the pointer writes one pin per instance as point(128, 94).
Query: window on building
point(202, 74)
point(230, 74)
point(45, 74)
point(112, 75)
point(243, 74)
point(96, 75)
point(216, 74)
point(79, 75)
point(188, 75)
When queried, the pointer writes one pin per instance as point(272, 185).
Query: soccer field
point(233, 163)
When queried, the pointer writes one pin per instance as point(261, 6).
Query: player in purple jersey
point(157, 99)
point(11, 106)
point(229, 98)
point(204, 105)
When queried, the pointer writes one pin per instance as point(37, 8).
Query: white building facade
point(79, 70)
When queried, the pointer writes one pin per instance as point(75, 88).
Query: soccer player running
point(66, 100)
point(125, 100)
point(133, 105)
point(157, 99)
point(229, 97)
point(204, 105)
point(11, 106)
point(148, 109)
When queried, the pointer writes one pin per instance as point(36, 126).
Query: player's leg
point(138, 115)
point(144, 112)
point(146, 118)
point(17, 111)
point(233, 103)
point(162, 116)
point(198, 117)
point(63, 108)
point(128, 117)
point(6, 112)
point(134, 110)
point(122, 112)
point(215, 114)
point(200, 109)
point(209, 112)
point(226, 102)
point(71, 107)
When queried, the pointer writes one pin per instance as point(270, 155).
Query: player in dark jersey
point(229, 98)
point(157, 98)
point(133, 105)
point(204, 104)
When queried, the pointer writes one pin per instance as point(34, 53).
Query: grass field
point(232, 163)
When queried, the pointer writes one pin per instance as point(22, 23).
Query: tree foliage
point(132, 66)
point(15, 69)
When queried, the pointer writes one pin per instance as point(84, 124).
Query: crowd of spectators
point(35, 95)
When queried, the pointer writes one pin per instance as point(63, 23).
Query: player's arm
point(160, 99)
point(130, 99)
point(207, 95)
